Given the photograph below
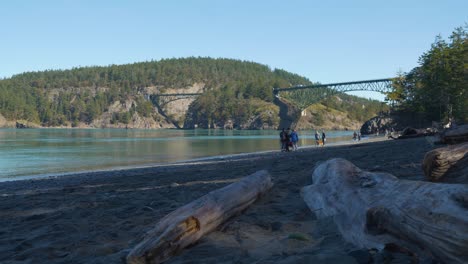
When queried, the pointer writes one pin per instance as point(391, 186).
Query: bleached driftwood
point(374, 209)
point(448, 164)
point(455, 135)
point(190, 222)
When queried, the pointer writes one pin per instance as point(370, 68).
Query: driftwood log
point(376, 209)
point(455, 135)
point(190, 222)
point(448, 164)
point(410, 132)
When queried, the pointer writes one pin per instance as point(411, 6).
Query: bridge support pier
point(289, 113)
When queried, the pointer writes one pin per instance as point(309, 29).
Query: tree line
point(438, 87)
point(234, 89)
point(55, 97)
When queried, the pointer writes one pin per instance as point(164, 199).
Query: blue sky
point(325, 41)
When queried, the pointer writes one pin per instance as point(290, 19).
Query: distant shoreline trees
point(438, 87)
point(58, 97)
point(233, 90)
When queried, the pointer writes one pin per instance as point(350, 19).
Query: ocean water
point(26, 153)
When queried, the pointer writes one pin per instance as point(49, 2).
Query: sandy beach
point(98, 217)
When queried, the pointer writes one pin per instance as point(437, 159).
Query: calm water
point(32, 152)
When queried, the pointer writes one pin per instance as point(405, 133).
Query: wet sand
point(98, 217)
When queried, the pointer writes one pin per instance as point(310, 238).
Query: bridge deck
point(330, 85)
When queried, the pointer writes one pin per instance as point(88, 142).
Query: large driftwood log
point(448, 164)
point(375, 209)
point(190, 222)
point(410, 132)
point(455, 135)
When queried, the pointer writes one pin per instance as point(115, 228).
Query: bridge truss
point(163, 99)
point(304, 96)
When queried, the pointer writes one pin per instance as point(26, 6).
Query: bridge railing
point(304, 96)
point(378, 85)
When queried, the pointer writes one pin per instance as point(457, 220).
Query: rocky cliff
point(319, 116)
point(177, 114)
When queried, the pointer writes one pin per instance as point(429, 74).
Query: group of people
point(288, 139)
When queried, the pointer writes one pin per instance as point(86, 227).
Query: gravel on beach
point(97, 217)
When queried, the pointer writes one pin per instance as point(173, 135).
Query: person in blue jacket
point(294, 139)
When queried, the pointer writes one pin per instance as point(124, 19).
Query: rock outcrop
point(320, 117)
point(25, 124)
point(378, 124)
point(396, 121)
point(288, 112)
point(263, 116)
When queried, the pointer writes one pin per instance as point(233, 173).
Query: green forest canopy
point(438, 87)
point(25, 96)
point(233, 89)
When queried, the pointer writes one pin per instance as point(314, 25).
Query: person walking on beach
point(282, 139)
point(317, 138)
point(294, 139)
point(354, 136)
point(287, 139)
point(359, 136)
point(324, 138)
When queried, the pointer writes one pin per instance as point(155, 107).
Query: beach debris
point(372, 210)
point(410, 132)
point(297, 236)
point(455, 135)
point(447, 164)
point(189, 223)
point(148, 208)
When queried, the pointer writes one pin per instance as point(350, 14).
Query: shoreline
point(98, 217)
point(178, 163)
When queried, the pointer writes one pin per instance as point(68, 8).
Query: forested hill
point(237, 93)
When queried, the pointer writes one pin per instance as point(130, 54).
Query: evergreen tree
point(438, 86)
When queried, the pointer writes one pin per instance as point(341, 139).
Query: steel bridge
point(293, 100)
point(301, 96)
point(304, 96)
point(164, 99)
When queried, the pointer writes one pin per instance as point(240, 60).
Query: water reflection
point(52, 151)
